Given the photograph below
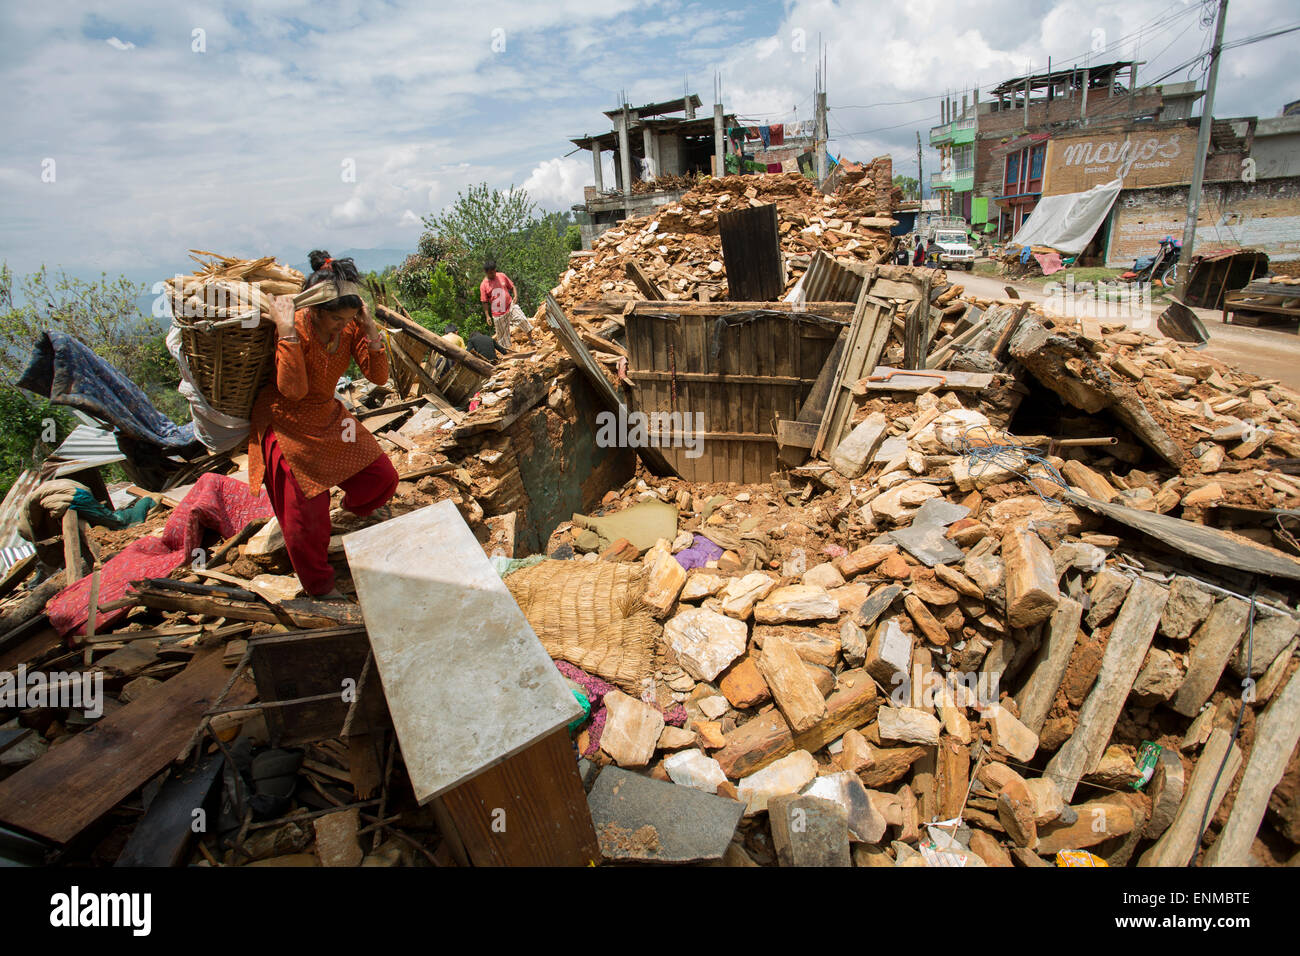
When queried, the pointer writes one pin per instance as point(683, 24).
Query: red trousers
point(305, 522)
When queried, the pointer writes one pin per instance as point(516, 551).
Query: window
point(1036, 162)
point(1013, 171)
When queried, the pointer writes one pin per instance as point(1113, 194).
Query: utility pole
point(1202, 147)
point(819, 122)
point(919, 191)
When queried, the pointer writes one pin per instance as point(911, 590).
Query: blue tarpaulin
point(67, 372)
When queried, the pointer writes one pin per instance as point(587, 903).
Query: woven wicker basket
point(230, 365)
point(227, 336)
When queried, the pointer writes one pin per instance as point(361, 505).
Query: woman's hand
point(282, 316)
point(368, 326)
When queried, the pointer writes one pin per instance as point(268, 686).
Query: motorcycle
point(1161, 268)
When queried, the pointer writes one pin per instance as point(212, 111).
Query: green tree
point(908, 185)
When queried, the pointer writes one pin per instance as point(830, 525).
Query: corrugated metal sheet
point(21, 488)
point(88, 441)
point(829, 281)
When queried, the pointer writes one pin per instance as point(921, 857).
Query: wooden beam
point(828, 310)
point(765, 738)
point(436, 342)
point(538, 794)
point(868, 332)
point(645, 285)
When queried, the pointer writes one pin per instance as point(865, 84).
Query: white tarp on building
point(1067, 223)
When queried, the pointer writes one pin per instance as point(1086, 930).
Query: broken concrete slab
point(796, 602)
point(705, 641)
point(809, 831)
point(866, 824)
point(926, 543)
point(637, 818)
point(693, 768)
point(632, 729)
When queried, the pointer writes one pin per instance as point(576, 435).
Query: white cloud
point(117, 44)
point(557, 183)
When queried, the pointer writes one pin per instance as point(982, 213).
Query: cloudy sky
point(137, 129)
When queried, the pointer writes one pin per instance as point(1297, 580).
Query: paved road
point(1269, 353)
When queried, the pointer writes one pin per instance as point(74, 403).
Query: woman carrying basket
point(303, 442)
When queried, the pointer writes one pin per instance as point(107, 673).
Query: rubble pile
point(678, 247)
point(1039, 594)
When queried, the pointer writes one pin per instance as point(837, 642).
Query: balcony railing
point(949, 131)
point(959, 179)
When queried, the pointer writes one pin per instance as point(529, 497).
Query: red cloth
point(773, 167)
point(1050, 261)
point(499, 291)
point(776, 134)
point(215, 501)
point(305, 522)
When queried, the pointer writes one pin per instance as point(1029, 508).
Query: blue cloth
point(765, 134)
point(1025, 253)
point(67, 372)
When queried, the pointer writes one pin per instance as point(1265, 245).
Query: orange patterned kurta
point(307, 419)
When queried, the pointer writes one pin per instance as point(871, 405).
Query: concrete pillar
point(1026, 101)
point(719, 140)
point(595, 161)
point(648, 146)
point(690, 107)
point(1083, 100)
point(625, 154)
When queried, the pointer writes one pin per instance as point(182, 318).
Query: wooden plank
point(17, 573)
point(529, 810)
point(442, 626)
point(827, 310)
point(1277, 732)
point(788, 381)
point(1125, 651)
point(765, 738)
point(1203, 542)
point(645, 285)
point(300, 612)
point(163, 835)
point(74, 784)
point(1178, 844)
point(866, 339)
point(796, 434)
point(751, 252)
point(886, 379)
point(428, 387)
point(814, 406)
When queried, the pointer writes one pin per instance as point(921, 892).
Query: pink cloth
point(215, 501)
point(596, 689)
point(1050, 261)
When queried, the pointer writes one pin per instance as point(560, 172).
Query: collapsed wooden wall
point(741, 371)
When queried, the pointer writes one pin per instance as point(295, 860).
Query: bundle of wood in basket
point(228, 287)
point(223, 310)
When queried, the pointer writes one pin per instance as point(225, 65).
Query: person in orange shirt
point(302, 441)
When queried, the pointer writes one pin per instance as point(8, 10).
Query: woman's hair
point(322, 268)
